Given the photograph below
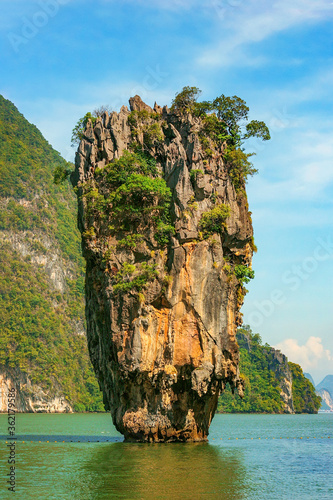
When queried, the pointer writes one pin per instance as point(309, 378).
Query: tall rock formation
point(166, 237)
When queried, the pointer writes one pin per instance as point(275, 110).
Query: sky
point(62, 58)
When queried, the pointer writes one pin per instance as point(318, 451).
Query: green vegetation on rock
point(305, 398)
point(78, 130)
point(130, 191)
point(214, 220)
point(243, 273)
point(224, 120)
point(131, 277)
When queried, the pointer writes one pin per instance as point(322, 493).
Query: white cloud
point(241, 23)
point(310, 356)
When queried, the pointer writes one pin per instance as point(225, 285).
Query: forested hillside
point(304, 394)
point(272, 384)
point(42, 345)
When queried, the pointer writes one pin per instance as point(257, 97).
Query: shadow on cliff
point(162, 471)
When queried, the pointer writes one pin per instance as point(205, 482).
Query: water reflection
point(171, 471)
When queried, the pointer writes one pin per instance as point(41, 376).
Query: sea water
point(81, 456)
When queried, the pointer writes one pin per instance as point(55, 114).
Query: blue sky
point(62, 58)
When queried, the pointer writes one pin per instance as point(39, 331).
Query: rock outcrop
point(162, 297)
point(29, 397)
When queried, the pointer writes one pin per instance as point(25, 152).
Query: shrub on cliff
point(213, 221)
point(243, 273)
point(78, 130)
point(129, 190)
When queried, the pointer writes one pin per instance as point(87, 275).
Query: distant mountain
point(326, 383)
point(309, 377)
point(325, 391)
point(327, 400)
point(43, 351)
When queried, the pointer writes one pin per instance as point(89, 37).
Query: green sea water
point(247, 457)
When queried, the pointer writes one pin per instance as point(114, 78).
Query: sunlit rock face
point(163, 351)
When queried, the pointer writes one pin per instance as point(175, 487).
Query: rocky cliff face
point(30, 397)
point(163, 229)
point(279, 365)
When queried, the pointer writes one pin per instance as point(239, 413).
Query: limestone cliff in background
point(43, 349)
point(30, 397)
point(161, 315)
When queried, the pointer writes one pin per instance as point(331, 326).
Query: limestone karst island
point(168, 242)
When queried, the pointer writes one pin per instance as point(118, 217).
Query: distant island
point(272, 384)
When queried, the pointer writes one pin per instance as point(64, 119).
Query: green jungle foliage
point(304, 394)
point(38, 323)
point(225, 125)
point(262, 392)
point(130, 192)
point(213, 221)
point(134, 277)
point(243, 273)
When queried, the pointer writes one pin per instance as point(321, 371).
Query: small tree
point(231, 110)
point(224, 120)
point(257, 129)
point(78, 130)
point(185, 100)
point(61, 173)
point(101, 110)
